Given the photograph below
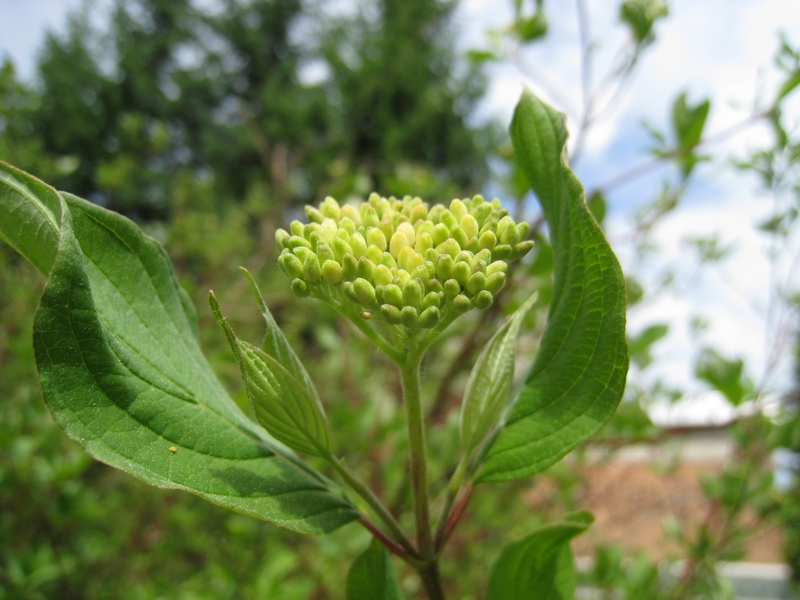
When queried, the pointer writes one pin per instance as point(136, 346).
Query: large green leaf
point(578, 376)
point(123, 374)
point(540, 565)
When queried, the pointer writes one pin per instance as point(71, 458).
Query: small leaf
point(639, 345)
point(640, 16)
point(490, 380)
point(540, 565)
point(281, 404)
point(724, 375)
point(277, 346)
point(371, 576)
point(579, 373)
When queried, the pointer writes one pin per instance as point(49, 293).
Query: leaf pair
point(284, 399)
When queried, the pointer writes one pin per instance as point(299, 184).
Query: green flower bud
point(521, 249)
point(349, 211)
point(347, 224)
point(495, 282)
point(423, 243)
point(459, 235)
point(296, 241)
point(451, 289)
point(522, 230)
point(296, 227)
point(349, 267)
point(340, 248)
point(282, 238)
point(364, 291)
point(358, 244)
point(479, 266)
point(375, 237)
point(434, 285)
point(482, 212)
point(408, 317)
point(397, 243)
point(407, 229)
point(435, 213)
point(449, 246)
point(388, 260)
point(507, 231)
point(461, 273)
point(332, 272)
point(391, 314)
point(483, 300)
point(484, 255)
point(441, 232)
point(387, 229)
point(458, 209)
point(369, 216)
point(374, 254)
point(313, 214)
point(324, 252)
point(461, 304)
point(409, 260)
point(487, 240)
point(475, 283)
point(412, 293)
point(444, 267)
point(392, 294)
point(420, 272)
point(497, 266)
point(429, 317)
point(470, 225)
point(382, 275)
point(418, 213)
point(433, 299)
point(501, 252)
point(330, 208)
point(448, 218)
point(310, 228)
point(312, 269)
point(302, 252)
point(465, 256)
point(366, 268)
point(291, 265)
point(300, 288)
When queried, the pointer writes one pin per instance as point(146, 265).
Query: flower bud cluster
point(402, 261)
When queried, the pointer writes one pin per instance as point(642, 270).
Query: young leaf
point(122, 371)
point(540, 565)
point(281, 404)
point(578, 376)
point(277, 346)
point(490, 380)
point(371, 576)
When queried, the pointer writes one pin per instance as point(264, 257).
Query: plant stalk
point(409, 375)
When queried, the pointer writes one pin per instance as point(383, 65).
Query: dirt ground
point(631, 501)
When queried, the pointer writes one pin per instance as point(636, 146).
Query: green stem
point(453, 488)
point(409, 375)
point(375, 504)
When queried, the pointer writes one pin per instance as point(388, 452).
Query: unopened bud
point(300, 288)
point(451, 288)
point(382, 275)
point(461, 273)
point(521, 249)
point(501, 252)
point(476, 283)
point(364, 291)
point(412, 293)
point(312, 269)
point(495, 282)
point(291, 265)
point(441, 232)
point(375, 237)
point(391, 314)
point(408, 316)
point(461, 304)
point(429, 317)
point(483, 300)
point(469, 225)
point(332, 272)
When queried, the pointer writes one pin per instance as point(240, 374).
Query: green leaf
point(540, 565)
point(639, 346)
point(122, 371)
point(277, 346)
point(281, 404)
point(724, 375)
point(579, 373)
point(371, 576)
point(490, 380)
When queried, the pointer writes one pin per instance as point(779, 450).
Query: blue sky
point(721, 49)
